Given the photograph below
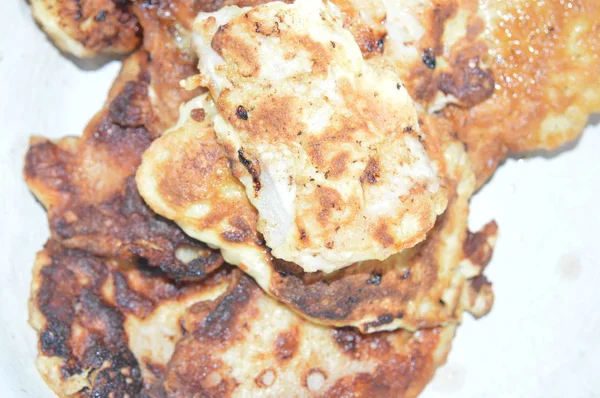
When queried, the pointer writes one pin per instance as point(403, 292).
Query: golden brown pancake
point(87, 185)
point(108, 327)
point(86, 28)
point(327, 146)
point(511, 75)
point(185, 176)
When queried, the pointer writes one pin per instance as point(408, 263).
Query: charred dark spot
point(253, 169)
point(429, 58)
point(374, 278)
point(241, 113)
point(79, 12)
point(468, 82)
point(121, 3)
point(157, 370)
point(347, 338)
point(382, 320)
point(408, 129)
point(286, 268)
point(400, 315)
point(96, 355)
point(101, 16)
point(128, 300)
point(283, 273)
point(71, 368)
point(54, 339)
point(66, 300)
point(371, 172)
point(200, 267)
point(217, 324)
point(198, 114)
point(406, 274)
point(123, 376)
point(131, 107)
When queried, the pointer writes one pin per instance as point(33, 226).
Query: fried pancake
point(511, 75)
point(250, 345)
point(87, 185)
point(86, 28)
point(109, 327)
point(328, 148)
point(185, 176)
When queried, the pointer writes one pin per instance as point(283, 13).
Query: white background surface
point(542, 339)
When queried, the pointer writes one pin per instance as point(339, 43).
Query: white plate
point(542, 339)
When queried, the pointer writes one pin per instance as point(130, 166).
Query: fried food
point(328, 148)
point(87, 186)
point(185, 176)
point(112, 327)
point(108, 326)
point(250, 345)
point(86, 28)
point(167, 40)
point(511, 75)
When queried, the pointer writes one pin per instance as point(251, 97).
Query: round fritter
point(185, 176)
point(87, 185)
point(115, 328)
point(86, 28)
point(511, 75)
point(327, 146)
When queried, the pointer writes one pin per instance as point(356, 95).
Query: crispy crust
point(288, 354)
point(107, 326)
point(99, 320)
point(185, 176)
point(512, 76)
point(87, 185)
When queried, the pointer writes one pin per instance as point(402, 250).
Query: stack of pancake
point(274, 198)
